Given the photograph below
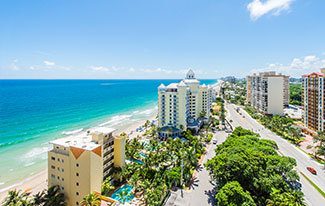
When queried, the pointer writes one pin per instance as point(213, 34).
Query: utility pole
point(182, 168)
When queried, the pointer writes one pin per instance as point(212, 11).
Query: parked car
point(312, 170)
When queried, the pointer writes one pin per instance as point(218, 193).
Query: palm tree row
point(52, 196)
point(282, 126)
point(167, 164)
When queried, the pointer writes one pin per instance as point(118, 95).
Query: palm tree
point(53, 196)
point(38, 199)
point(92, 199)
point(107, 187)
point(320, 140)
point(123, 196)
point(17, 198)
point(134, 180)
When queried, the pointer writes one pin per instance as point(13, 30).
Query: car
point(312, 170)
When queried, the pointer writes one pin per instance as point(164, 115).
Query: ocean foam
point(116, 120)
point(29, 164)
point(72, 132)
point(36, 153)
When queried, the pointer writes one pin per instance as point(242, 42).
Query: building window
point(58, 159)
point(53, 167)
point(77, 174)
point(62, 160)
point(77, 193)
point(62, 179)
point(53, 158)
point(52, 175)
point(77, 203)
point(77, 165)
point(77, 183)
point(62, 170)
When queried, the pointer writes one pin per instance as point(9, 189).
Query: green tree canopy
point(255, 164)
point(232, 194)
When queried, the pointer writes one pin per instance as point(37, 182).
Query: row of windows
point(53, 167)
point(59, 160)
point(58, 177)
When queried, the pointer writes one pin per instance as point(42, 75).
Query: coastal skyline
point(154, 40)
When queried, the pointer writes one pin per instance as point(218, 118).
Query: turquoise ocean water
point(33, 112)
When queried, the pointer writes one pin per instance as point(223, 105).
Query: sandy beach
point(38, 182)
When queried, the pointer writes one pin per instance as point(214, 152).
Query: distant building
point(80, 163)
point(268, 92)
point(313, 87)
point(183, 105)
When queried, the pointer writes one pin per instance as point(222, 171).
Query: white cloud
point(146, 72)
point(258, 8)
point(298, 66)
point(14, 66)
point(49, 63)
point(99, 68)
point(49, 66)
point(106, 69)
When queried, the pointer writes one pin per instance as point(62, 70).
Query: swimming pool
point(123, 194)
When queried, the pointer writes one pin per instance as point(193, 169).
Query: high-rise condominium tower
point(268, 92)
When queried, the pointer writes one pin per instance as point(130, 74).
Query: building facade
point(313, 88)
point(80, 163)
point(268, 92)
point(183, 105)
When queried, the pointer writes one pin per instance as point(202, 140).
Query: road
point(312, 196)
point(202, 191)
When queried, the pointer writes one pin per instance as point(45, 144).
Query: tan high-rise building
point(248, 89)
point(313, 88)
point(80, 163)
point(268, 92)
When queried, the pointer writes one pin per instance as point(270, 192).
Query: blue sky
point(159, 38)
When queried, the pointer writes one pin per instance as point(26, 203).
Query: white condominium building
point(268, 92)
point(183, 105)
point(78, 164)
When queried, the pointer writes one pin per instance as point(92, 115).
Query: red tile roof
point(319, 74)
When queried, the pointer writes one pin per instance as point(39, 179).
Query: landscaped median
point(280, 125)
point(313, 184)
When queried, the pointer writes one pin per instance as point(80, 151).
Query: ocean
point(33, 112)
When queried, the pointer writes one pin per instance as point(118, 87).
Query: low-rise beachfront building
point(183, 105)
point(268, 92)
point(313, 89)
point(80, 163)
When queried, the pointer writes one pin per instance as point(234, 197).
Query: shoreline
point(38, 181)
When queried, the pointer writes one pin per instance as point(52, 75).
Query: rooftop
point(82, 140)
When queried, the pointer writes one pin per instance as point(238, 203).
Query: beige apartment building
point(268, 92)
point(183, 105)
point(79, 163)
point(313, 88)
